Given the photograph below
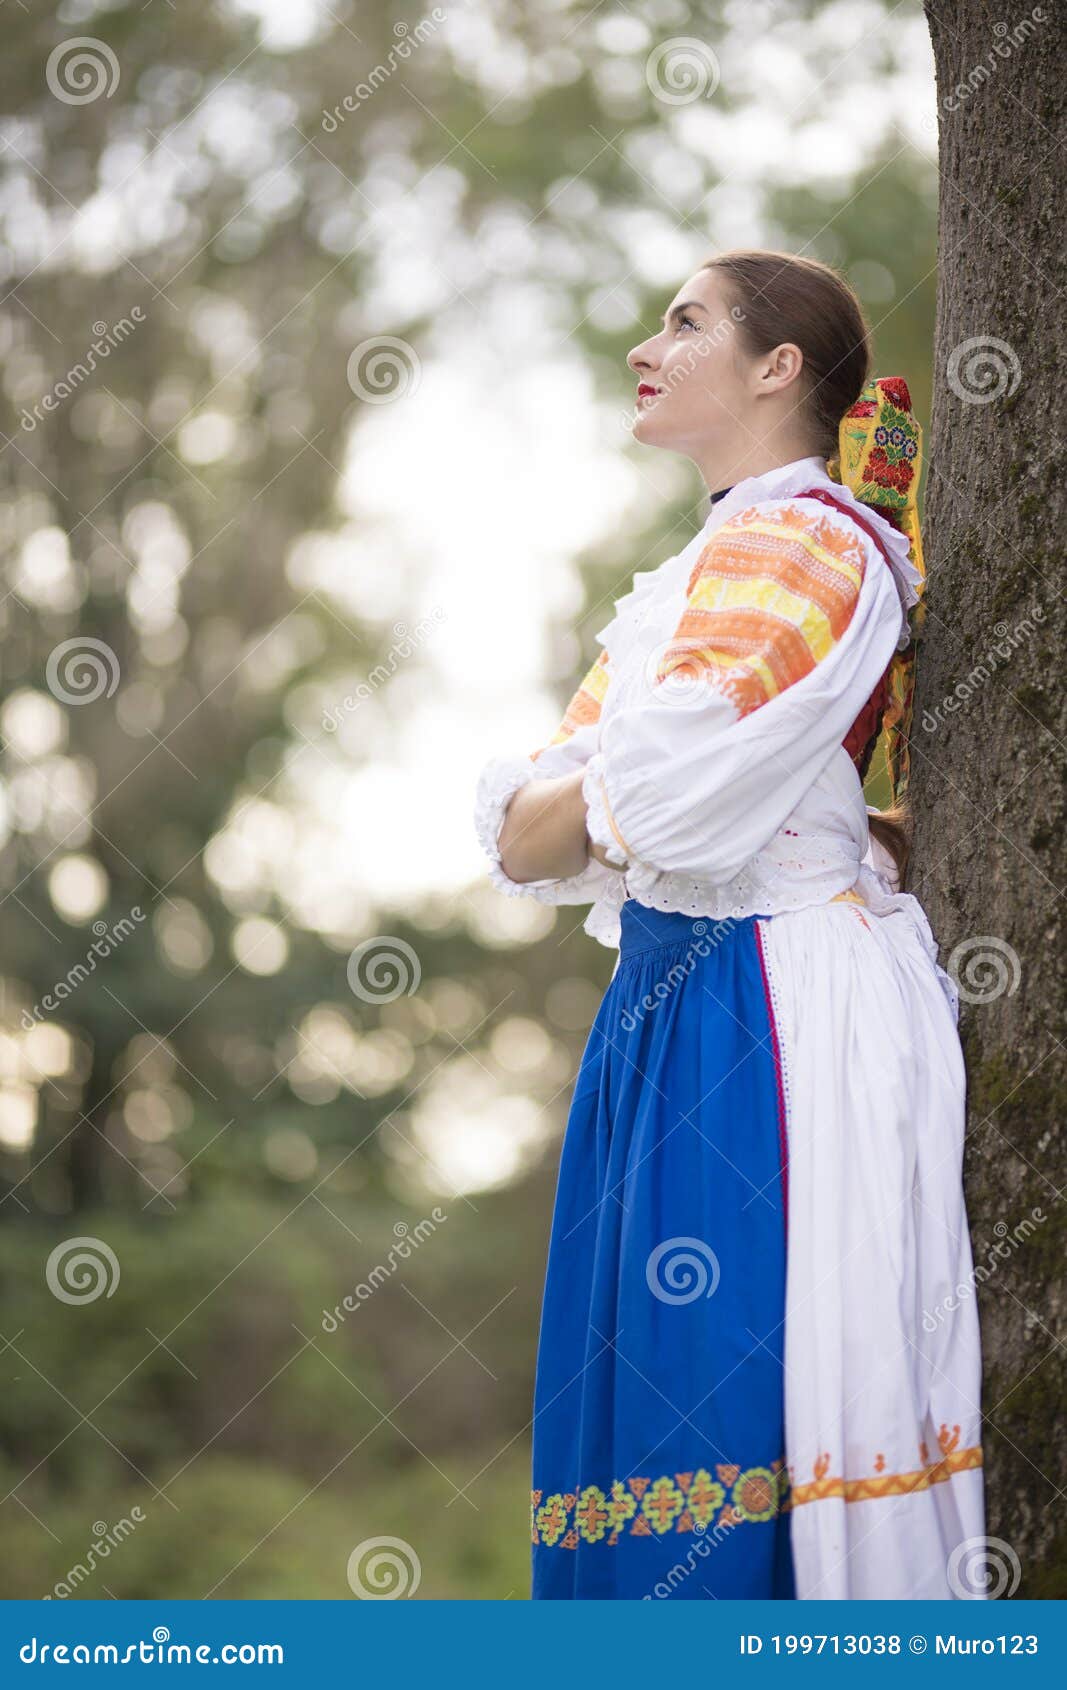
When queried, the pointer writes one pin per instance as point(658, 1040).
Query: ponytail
point(893, 829)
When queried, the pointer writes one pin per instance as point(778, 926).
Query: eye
point(689, 322)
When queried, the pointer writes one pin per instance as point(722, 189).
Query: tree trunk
point(989, 731)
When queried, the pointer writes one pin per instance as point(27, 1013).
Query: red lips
point(645, 390)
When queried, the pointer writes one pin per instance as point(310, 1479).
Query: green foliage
point(251, 1529)
point(209, 1391)
point(243, 1140)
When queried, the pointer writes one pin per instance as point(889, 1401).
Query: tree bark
point(989, 726)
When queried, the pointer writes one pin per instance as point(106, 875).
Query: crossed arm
point(702, 757)
point(544, 833)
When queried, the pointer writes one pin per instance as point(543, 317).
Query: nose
point(643, 358)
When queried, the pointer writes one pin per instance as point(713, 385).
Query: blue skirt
point(659, 1464)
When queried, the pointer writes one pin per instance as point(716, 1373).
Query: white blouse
point(729, 676)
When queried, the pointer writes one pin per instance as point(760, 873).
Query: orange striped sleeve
point(770, 594)
point(584, 707)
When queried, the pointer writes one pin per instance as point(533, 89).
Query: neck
point(725, 469)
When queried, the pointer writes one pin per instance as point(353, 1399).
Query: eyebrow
point(686, 305)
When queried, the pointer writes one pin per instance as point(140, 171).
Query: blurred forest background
point(315, 479)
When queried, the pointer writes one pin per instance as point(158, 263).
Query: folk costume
point(753, 1377)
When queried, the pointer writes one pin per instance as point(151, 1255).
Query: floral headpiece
point(879, 457)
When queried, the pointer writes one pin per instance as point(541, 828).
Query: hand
point(598, 853)
point(601, 856)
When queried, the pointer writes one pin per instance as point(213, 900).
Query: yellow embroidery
point(888, 1484)
point(621, 1508)
point(756, 1494)
point(694, 1502)
point(705, 1495)
point(851, 897)
point(551, 1517)
point(662, 1503)
point(584, 707)
point(671, 1502)
point(769, 596)
point(593, 1514)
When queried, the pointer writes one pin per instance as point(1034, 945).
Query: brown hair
point(782, 297)
point(893, 830)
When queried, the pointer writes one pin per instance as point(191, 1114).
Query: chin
point(649, 430)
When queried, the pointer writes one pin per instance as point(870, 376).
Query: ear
point(783, 367)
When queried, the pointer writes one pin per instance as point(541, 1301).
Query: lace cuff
point(497, 784)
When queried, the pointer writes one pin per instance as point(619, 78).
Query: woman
point(753, 1379)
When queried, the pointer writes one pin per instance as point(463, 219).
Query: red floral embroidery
point(880, 470)
point(896, 389)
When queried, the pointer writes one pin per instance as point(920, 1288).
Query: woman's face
point(697, 387)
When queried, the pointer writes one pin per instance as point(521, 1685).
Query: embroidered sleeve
point(569, 749)
point(573, 736)
point(784, 632)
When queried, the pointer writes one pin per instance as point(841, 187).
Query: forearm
point(543, 836)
